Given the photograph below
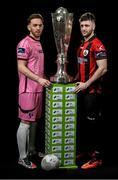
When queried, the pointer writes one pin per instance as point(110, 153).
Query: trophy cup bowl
point(62, 22)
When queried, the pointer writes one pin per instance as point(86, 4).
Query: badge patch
point(101, 54)
point(21, 50)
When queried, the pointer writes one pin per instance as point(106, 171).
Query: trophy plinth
point(62, 27)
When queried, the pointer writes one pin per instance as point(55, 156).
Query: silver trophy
point(62, 26)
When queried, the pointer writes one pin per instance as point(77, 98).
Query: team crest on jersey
point(85, 52)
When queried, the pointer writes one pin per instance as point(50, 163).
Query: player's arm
point(22, 68)
point(101, 70)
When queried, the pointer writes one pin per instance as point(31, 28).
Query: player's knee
point(93, 116)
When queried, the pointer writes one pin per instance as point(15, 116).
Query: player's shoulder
point(97, 44)
point(24, 42)
point(25, 39)
point(97, 41)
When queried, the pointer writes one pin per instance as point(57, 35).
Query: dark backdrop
point(16, 30)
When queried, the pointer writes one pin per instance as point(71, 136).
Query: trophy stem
point(61, 76)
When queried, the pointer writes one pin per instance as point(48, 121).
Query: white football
point(50, 162)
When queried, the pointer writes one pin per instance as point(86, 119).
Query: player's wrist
point(37, 79)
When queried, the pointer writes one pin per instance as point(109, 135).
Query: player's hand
point(80, 86)
point(44, 82)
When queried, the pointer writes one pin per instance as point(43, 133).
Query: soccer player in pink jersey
point(30, 58)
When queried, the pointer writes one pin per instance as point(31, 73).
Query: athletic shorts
point(30, 106)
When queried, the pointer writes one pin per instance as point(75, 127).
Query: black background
point(15, 29)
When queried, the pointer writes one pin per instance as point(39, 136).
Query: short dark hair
point(88, 16)
point(33, 16)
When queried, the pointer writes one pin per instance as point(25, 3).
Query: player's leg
point(23, 129)
point(37, 101)
point(93, 117)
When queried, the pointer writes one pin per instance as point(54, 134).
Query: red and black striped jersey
point(87, 54)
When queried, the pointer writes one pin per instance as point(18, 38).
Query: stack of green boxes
point(60, 123)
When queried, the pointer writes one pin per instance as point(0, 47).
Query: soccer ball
point(50, 162)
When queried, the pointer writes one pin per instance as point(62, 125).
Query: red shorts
point(30, 106)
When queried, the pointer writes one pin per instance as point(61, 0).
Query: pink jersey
point(31, 51)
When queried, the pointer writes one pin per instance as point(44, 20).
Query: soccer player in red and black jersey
point(92, 65)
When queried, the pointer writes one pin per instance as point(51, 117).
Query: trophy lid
point(61, 10)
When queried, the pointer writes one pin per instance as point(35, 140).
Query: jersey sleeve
point(99, 51)
point(23, 50)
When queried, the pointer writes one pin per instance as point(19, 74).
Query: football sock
point(22, 139)
point(32, 137)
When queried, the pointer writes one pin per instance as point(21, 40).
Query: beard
point(87, 34)
point(36, 34)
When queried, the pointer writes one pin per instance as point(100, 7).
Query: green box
point(60, 123)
